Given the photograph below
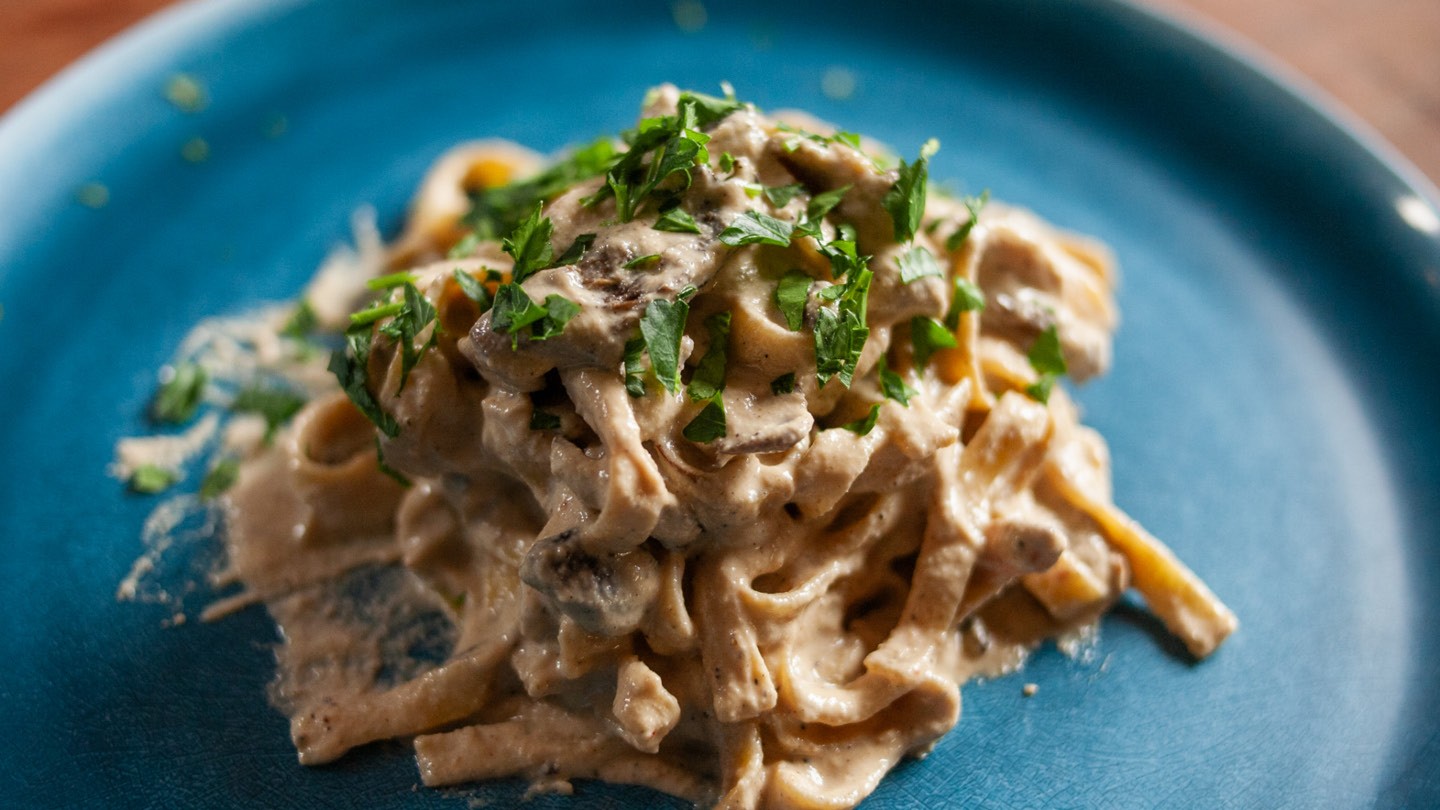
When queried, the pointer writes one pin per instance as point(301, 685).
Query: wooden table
point(1380, 58)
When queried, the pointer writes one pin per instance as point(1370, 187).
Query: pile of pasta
point(774, 615)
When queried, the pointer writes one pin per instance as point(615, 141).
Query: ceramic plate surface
point(1271, 413)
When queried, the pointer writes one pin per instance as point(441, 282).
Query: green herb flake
point(465, 248)
point(350, 367)
point(662, 326)
point(791, 295)
point(850, 139)
point(966, 297)
point(219, 478)
point(302, 321)
point(365, 317)
point(905, 201)
point(840, 332)
point(709, 379)
point(677, 221)
point(634, 370)
point(530, 244)
point(753, 228)
point(928, 336)
point(782, 385)
point(513, 311)
point(543, 420)
point(180, 394)
point(497, 210)
point(390, 281)
point(276, 405)
point(973, 205)
point(642, 261)
point(823, 203)
point(780, 196)
point(727, 163)
point(893, 385)
point(709, 424)
point(415, 314)
point(473, 289)
point(576, 250)
point(1048, 360)
point(150, 479)
point(865, 424)
point(559, 311)
point(917, 263)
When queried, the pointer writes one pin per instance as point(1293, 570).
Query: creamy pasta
point(714, 460)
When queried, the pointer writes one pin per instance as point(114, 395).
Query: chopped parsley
point(824, 202)
point(791, 295)
point(415, 314)
point(529, 244)
point(473, 289)
point(677, 221)
point(709, 379)
point(893, 385)
point(780, 196)
point(276, 405)
point(662, 326)
point(634, 371)
point(641, 261)
point(302, 321)
point(905, 201)
point(966, 297)
point(513, 311)
point(365, 317)
point(928, 336)
point(220, 477)
point(390, 282)
point(709, 424)
point(149, 479)
point(179, 396)
point(577, 249)
point(674, 145)
point(466, 247)
point(844, 260)
point(784, 384)
point(350, 366)
point(840, 332)
point(543, 420)
point(973, 205)
point(1048, 361)
point(394, 474)
point(727, 163)
point(917, 263)
point(866, 423)
point(499, 210)
point(753, 227)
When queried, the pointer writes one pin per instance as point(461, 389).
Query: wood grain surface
point(1380, 58)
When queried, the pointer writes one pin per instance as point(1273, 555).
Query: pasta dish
point(715, 458)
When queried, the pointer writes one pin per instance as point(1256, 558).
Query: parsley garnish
point(676, 221)
point(577, 249)
point(824, 202)
point(219, 478)
point(530, 244)
point(513, 311)
point(1048, 361)
point(390, 282)
point(179, 396)
point(727, 163)
point(365, 317)
point(840, 333)
point(394, 474)
point(709, 424)
point(634, 372)
point(784, 384)
point(865, 424)
point(709, 379)
point(416, 312)
point(791, 295)
point(845, 262)
point(350, 367)
point(276, 405)
point(498, 210)
point(674, 144)
point(661, 326)
point(641, 261)
point(148, 479)
point(928, 336)
point(967, 297)
point(543, 420)
point(916, 263)
point(893, 385)
point(906, 199)
point(753, 228)
point(780, 196)
point(473, 290)
point(973, 205)
point(302, 321)
point(467, 246)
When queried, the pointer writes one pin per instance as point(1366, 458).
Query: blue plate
point(1272, 411)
